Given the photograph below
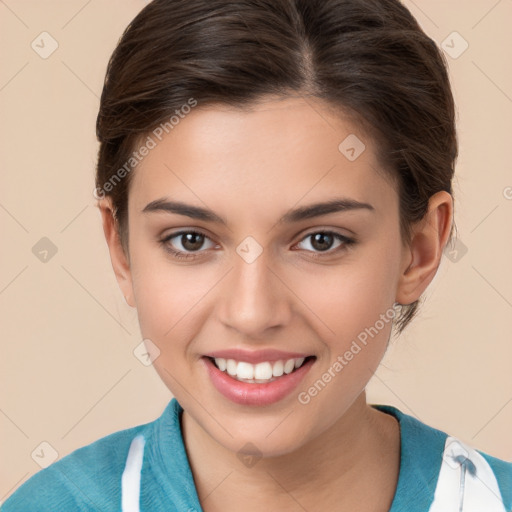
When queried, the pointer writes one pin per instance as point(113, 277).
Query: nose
point(254, 298)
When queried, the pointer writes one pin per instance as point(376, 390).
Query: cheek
point(165, 294)
point(351, 297)
point(355, 302)
point(342, 299)
point(356, 305)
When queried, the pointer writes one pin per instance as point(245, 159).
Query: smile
point(260, 373)
point(266, 380)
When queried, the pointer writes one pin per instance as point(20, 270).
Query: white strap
point(130, 481)
point(466, 481)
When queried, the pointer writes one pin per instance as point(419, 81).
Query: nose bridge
point(253, 298)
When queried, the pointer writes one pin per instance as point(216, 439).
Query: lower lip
point(244, 393)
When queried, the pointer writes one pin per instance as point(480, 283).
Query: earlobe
point(119, 259)
point(422, 258)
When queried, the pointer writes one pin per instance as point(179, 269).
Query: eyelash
point(180, 255)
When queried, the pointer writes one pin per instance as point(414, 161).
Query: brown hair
point(366, 57)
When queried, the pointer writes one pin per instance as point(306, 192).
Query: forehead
point(278, 151)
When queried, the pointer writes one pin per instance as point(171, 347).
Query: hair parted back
point(369, 58)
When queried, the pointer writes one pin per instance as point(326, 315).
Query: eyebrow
point(296, 215)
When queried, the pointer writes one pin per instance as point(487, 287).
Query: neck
point(354, 459)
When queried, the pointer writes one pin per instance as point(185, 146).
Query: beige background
point(69, 375)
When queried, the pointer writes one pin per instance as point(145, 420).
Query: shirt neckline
point(421, 449)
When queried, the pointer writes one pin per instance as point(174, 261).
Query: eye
point(322, 241)
point(190, 242)
point(186, 241)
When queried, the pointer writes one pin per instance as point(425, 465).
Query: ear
point(422, 257)
point(120, 261)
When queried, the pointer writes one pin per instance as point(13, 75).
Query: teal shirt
point(145, 469)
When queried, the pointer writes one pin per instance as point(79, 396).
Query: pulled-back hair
point(367, 58)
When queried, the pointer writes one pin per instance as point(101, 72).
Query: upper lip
point(256, 356)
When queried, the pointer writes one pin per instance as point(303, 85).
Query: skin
point(251, 167)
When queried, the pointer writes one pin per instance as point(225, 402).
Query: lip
point(255, 357)
point(244, 393)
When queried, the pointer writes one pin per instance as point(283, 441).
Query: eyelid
point(326, 229)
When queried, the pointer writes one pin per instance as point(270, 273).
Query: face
point(261, 277)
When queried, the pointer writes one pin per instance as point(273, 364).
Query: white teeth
point(265, 371)
point(221, 363)
point(278, 369)
point(231, 365)
point(289, 366)
point(245, 370)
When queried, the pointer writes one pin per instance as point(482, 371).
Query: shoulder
point(451, 472)
point(87, 479)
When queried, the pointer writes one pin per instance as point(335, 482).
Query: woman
point(274, 180)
